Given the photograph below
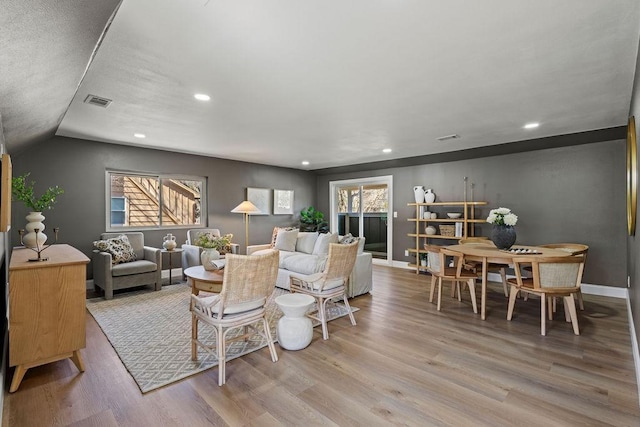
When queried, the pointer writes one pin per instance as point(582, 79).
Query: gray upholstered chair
point(145, 270)
point(191, 252)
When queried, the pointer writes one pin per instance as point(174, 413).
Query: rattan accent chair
point(248, 282)
point(552, 277)
point(439, 270)
point(330, 283)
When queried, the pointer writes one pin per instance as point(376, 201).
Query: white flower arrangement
point(502, 216)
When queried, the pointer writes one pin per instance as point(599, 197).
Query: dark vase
point(503, 236)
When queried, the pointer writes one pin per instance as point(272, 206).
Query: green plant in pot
point(313, 220)
point(23, 190)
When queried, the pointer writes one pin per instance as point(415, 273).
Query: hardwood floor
point(404, 363)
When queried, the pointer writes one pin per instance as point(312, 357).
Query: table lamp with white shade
point(247, 208)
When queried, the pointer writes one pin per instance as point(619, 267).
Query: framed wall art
point(283, 202)
point(5, 194)
point(261, 197)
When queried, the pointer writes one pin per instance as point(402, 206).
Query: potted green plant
point(313, 220)
point(210, 241)
point(23, 190)
point(213, 246)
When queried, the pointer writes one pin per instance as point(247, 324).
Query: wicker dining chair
point(440, 272)
point(552, 277)
point(577, 250)
point(330, 283)
point(247, 283)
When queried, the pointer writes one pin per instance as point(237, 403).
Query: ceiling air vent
point(448, 137)
point(97, 100)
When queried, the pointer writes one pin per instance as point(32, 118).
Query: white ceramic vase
point(430, 230)
point(207, 256)
point(169, 242)
point(429, 196)
point(418, 192)
point(34, 222)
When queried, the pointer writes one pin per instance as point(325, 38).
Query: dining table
point(488, 253)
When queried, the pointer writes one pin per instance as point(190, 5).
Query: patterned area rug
point(151, 332)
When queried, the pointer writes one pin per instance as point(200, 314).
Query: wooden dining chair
point(247, 283)
point(551, 277)
point(476, 266)
point(440, 271)
point(577, 250)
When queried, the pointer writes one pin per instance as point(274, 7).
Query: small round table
point(204, 280)
point(295, 330)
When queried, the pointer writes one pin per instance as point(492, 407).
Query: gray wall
point(79, 166)
point(567, 194)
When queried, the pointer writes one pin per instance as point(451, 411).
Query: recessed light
point(139, 135)
point(305, 163)
point(531, 125)
point(386, 150)
point(201, 97)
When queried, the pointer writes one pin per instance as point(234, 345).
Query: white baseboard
point(634, 346)
point(588, 289)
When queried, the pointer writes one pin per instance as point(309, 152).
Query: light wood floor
point(403, 364)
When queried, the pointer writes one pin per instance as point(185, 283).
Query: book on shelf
point(458, 230)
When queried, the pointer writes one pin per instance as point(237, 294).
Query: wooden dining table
point(490, 254)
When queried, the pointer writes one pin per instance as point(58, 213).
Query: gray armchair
point(191, 253)
point(146, 270)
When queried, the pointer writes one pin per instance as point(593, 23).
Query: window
point(145, 200)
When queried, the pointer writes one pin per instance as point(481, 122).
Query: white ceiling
point(334, 82)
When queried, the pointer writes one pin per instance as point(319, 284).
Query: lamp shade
point(246, 207)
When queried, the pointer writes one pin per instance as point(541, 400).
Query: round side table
point(295, 330)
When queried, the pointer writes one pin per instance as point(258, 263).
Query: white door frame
point(333, 222)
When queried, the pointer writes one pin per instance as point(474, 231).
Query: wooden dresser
point(46, 308)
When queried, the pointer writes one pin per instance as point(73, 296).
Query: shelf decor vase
point(503, 236)
point(169, 242)
point(207, 256)
point(418, 192)
point(32, 239)
point(429, 196)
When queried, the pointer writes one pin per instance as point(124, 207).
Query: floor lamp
point(247, 208)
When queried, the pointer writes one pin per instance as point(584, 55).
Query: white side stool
point(295, 330)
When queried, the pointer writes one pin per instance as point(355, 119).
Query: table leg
point(483, 297)
point(170, 267)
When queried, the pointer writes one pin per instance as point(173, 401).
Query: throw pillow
point(306, 241)
point(286, 240)
point(119, 248)
point(347, 239)
point(322, 243)
point(275, 234)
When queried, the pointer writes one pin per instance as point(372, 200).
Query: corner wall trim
point(634, 346)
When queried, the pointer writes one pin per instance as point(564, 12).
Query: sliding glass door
point(361, 207)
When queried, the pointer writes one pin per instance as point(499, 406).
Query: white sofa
point(307, 254)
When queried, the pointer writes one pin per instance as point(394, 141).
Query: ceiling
point(327, 81)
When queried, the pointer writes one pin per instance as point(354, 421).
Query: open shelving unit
point(468, 219)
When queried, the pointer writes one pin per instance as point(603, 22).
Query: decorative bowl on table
point(454, 215)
